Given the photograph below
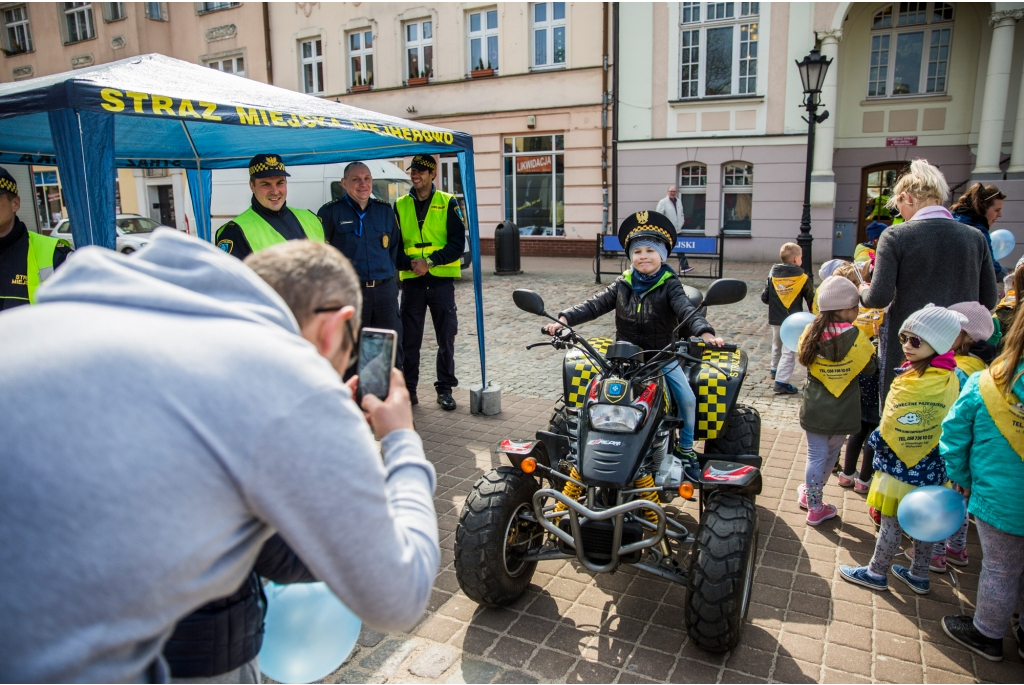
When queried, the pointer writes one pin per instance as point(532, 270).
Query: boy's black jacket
point(647, 320)
point(777, 312)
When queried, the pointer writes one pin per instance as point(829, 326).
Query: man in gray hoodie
point(189, 422)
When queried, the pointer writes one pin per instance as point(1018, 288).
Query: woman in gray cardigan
point(928, 259)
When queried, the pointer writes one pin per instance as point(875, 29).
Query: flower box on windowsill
point(360, 89)
point(481, 73)
point(418, 81)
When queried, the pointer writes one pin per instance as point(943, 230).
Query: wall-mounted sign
point(541, 164)
point(901, 141)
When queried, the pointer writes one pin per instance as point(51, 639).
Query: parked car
point(133, 231)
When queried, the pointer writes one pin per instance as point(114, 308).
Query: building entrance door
point(161, 200)
point(876, 184)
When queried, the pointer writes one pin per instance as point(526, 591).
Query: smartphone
point(376, 358)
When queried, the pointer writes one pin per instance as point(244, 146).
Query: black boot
point(446, 401)
point(961, 628)
point(413, 399)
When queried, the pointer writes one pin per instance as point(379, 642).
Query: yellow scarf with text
point(1006, 412)
point(835, 376)
point(1008, 302)
point(914, 410)
point(869, 320)
point(969, 364)
point(788, 287)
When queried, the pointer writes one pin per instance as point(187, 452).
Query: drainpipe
point(266, 42)
point(604, 121)
point(615, 115)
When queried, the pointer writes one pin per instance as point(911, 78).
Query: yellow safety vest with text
point(41, 249)
point(262, 235)
point(422, 241)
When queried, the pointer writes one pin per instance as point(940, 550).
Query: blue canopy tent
point(153, 111)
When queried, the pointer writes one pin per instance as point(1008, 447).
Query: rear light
point(686, 490)
point(646, 398)
point(528, 465)
point(711, 473)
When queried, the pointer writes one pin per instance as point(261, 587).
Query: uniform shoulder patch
point(63, 243)
point(458, 212)
point(226, 245)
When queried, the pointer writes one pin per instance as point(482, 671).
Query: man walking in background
point(672, 206)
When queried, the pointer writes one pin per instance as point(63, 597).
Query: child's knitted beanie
point(979, 320)
point(837, 293)
point(937, 326)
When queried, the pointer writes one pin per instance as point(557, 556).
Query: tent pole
point(469, 192)
point(200, 220)
point(85, 173)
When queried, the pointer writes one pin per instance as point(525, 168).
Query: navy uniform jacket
point(373, 243)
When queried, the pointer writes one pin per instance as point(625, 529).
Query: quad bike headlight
point(614, 418)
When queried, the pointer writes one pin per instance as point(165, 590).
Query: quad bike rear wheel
point(740, 435)
point(721, 572)
point(492, 536)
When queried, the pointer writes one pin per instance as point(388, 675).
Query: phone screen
point(376, 357)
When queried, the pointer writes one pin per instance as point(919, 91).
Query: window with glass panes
point(78, 23)
point(229, 65)
point(548, 34)
point(360, 58)
point(311, 54)
point(910, 43)
point(737, 197)
point(419, 49)
point(718, 48)
point(482, 31)
point(156, 10)
point(534, 184)
point(204, 7)
point(693, 188)
point(114, 11)
point(17, 34)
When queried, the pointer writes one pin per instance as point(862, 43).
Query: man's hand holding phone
point(394, 413)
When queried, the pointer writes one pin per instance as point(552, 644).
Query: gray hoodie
point(160, 418)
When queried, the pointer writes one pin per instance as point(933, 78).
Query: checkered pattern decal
point(580, 371)
point(711, 408)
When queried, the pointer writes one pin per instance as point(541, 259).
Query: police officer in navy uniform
point(366, 231)
point(433, 240)
point(27, 258)
point(269, 220)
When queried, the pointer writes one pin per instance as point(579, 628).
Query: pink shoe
point(861, 487)
point(801, 496)
point(845, 481)
point(937, 563)
point(957, 558)
point(822, 513)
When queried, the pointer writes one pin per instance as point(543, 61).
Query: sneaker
point(785, 389)
point(773, 374)
point(956, 558)
point(918, 585)
point(858, 575)
point(937, 563)
point(691, 467)
point(961, 629)
point(686, 269)
point(801, 496)
point(821, 514)
point(861, 486)
point(845, 481)
point(1018, 633)
point(446, 401)
point(876, 516)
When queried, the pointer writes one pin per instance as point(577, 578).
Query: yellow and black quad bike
point(594, 487)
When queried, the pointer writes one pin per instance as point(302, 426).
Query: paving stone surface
point(805, 624)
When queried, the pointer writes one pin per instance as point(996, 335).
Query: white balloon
point(1003, 243)
point(793, 327)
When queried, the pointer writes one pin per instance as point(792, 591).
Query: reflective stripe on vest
point(421, 242)
point(262, 235)
point(41, 249)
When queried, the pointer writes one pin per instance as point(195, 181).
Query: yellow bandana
point(1008, 302)
point(869, 320)
point(969, 364)
point(914, 410)
point(1006, 412)
point(788, 287)
point(837, 375)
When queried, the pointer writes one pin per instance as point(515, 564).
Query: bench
point(700, 248)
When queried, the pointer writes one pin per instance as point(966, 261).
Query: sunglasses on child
point(915, 341)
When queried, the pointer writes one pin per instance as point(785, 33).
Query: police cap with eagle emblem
point(647, 225)
point(7, 182)
point(262, 166)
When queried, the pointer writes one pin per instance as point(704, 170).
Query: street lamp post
point(812, 74)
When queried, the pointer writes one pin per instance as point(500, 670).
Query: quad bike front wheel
point(721, 572)
point(740, 435)
point(493, 535)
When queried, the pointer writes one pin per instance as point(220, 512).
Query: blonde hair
point(788, 251)
point(922, 182)
point(849, 272)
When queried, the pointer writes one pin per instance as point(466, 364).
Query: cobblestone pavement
point(805, 624)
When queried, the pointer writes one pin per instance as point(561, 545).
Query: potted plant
point(360, 86)
point(481, 71)
point(421, 78)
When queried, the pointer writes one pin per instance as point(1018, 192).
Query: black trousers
point(440, 300)
point(381, 310)
point(857, 447)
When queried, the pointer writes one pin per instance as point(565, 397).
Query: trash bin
point(506, 249)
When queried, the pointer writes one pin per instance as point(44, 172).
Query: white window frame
point(24, 23)
point(549, 25)
point(420, 44)
point(365, 76)
point(109, 9)
point(157, 11)
point(893, 31)
point(314, 63)
point(698, 188)
point(694, 24)
point(732, 189)
point(83, 18)
point(232, 59)
point(208, 7)
point(511, 213)
point(483, 34)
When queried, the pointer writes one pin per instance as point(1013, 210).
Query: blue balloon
point(1002, 243)
point(793, 327)
point(308, 633)
point(931, 513)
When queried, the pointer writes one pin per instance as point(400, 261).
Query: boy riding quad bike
point(613, 458)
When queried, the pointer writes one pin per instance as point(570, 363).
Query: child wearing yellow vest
point(835, 352)
point(983, 445)
point(906, 442)
point(1006, 310)
point(785, 292)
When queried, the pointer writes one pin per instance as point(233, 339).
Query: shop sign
point(901, 141)
point(540, 164)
